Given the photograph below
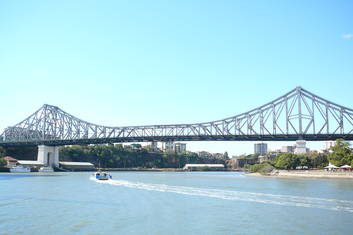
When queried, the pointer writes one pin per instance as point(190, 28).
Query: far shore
point(6, 170)
point(304, 174)
point(166, 170)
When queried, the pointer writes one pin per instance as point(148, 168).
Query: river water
point(173, 203)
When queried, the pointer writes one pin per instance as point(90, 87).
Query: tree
point(340, 153)
point(318, 160)
point(3, 162)
point(2, 155)
point(287, 161)
point(2, 152)
point(116, 156)
point(262, 168)
point(304, 160)
point(225, 156)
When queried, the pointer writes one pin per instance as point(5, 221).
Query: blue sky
point(160, 62)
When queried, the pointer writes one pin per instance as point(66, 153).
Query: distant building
point(263, 159)
point(135, 146)
point(260, 148)
point(31, 164)
point(119, 145)
point(218, 155)
point(200, 166)
point(176, 147)
point(168, 146)
point(288, 149)
point(204, 153)
point(72, 166)
point(78, 166)
point(314, 151)
point(275, 152)
point(10, 161)
point(329, 144)
point(179, 147)
point(153, 147)
point(267, 157)
point(128, 146)
point(236, 163)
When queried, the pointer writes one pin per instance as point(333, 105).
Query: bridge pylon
point(48, 155)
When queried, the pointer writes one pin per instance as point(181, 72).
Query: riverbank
point(7, 170)
point(161, 169)
point(305, 174)
point(143, 169)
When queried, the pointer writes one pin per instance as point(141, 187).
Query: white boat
point(20, 169)
point(101, 175)
point(46, 169)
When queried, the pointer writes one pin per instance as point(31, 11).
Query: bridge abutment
point(48, 155)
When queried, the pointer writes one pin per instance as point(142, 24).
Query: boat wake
point(266, 198)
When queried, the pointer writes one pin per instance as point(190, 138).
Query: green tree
point(117, 156)
point(287, 161)
point(262, 168)
point(340, 153)
point(318, 160)
point(2, 162)
point(303, 160)
point(2, 152)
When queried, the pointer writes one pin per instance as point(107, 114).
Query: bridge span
point(298, 114)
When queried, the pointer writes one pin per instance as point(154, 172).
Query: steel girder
point(298, 114)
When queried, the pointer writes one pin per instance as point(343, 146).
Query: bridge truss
point(298, 114)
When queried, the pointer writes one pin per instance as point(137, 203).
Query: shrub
point(262, 168)
point(2, 162)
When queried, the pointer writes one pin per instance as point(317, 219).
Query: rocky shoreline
point(305, 174)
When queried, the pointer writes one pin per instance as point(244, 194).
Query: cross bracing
point(299, 114)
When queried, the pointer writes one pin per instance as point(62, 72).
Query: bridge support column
point(48, 155)
point(300, 147)
point(154, 146)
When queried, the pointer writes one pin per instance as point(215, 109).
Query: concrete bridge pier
point(48, 155)
point(300, 147)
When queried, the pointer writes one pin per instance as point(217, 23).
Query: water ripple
point(266, 198)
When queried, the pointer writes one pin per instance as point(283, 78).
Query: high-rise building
point(288, 149)
point(179, 147)
point(260, 148)
point(168, 146)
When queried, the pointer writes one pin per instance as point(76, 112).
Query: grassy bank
point(305, 174)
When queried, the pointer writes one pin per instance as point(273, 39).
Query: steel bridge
point(299, 114)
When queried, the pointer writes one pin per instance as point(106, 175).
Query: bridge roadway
point(178, 138)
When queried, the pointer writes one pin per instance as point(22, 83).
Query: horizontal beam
point(182, 138)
